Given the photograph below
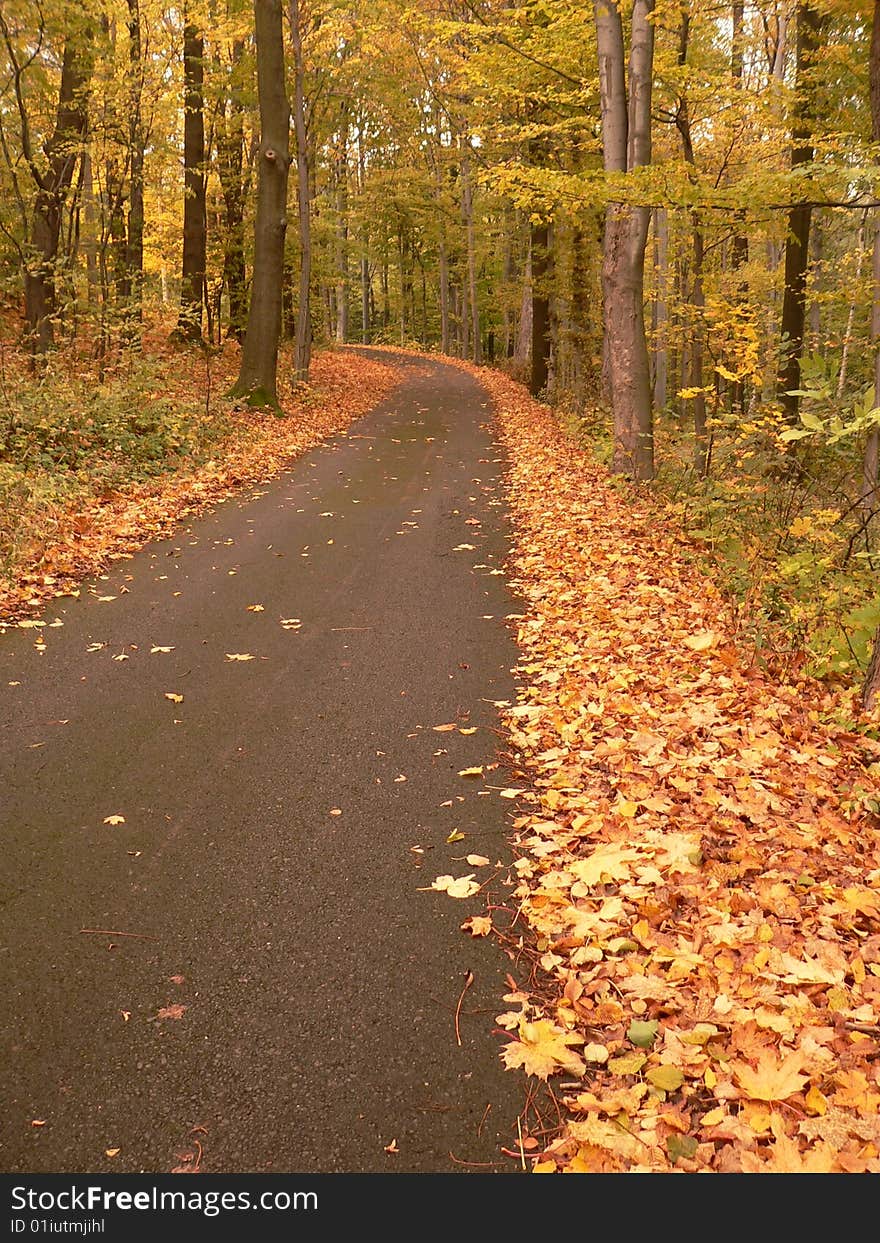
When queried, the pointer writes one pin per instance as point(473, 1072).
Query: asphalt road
point(284, 997)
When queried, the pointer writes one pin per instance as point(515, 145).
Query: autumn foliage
point(66, 542)
point(698, 852)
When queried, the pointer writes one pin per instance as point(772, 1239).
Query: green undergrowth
point(64, 437)
point(780, 534)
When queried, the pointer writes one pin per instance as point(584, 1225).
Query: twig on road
point(468, 982)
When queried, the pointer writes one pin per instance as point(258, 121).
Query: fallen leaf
point(114, 819)
point(460, 887)
point(112, 1152)
point(478, 925)
point(175, 1011)
point(239, 656)
point(702, 642)
point(543, 1049)
point(471, 772)
point(771, 1079)
point(175, 698)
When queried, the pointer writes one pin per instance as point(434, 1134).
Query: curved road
point(285, 998)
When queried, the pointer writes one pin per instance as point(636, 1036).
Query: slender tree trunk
point(302, 350)
point(136, 145)
point(794, 302)
point(522, 350)
point(661, 310)
point(872, 446)
point(626, 141)
point(257, 379)
point(342, 272)
point(231, 170)
point(195, 223)
point(540, 352)
point(697, 300)
point(467, 206)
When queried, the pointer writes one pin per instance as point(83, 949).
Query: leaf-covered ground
point(71, 541)
point(698, 859)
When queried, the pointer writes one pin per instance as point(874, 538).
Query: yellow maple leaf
point(543, 1049)
point(609, 861)
point(771, 1079)
point(239, 656)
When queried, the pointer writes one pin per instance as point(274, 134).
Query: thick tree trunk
point(794, 302)
point(626, 142)
point(195, 222)
point(302, 349)
point(257, 380)
point(62, 149)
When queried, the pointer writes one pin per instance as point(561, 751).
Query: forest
point(645, 235)
point(661, 217)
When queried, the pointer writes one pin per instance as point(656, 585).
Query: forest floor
point(60, 524)
point(699, 853)
point(697, 878)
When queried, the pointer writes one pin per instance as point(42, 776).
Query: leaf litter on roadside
point(699, 863)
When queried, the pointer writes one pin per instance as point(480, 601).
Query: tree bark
point(467, 207)
point(794, 302)
point(626, 143)
point(258, 378)
point(52, 183)
point(302, 349)
point(540, 366)
point(136, 146)
point(661, 310)
point(195, 222)
point(231, 171)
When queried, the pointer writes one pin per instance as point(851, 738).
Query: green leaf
point(678, 1146)
point(666, 1078)
point(643, 1034)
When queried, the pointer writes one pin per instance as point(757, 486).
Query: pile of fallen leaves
point(699, 862)
point(79, 539)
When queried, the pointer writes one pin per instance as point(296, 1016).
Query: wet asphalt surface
point(285, 999)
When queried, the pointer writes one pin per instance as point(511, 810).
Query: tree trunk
point(626, 142)
point(135, 245)
point(872, 445)
point(302, 349)
point(697, 300)
point(257, 380)
point(62, 150)
point(467, 207)
point(231, 171)
point(195, 224)
point(794, 302)
point(661, 311)
point(540, 365)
